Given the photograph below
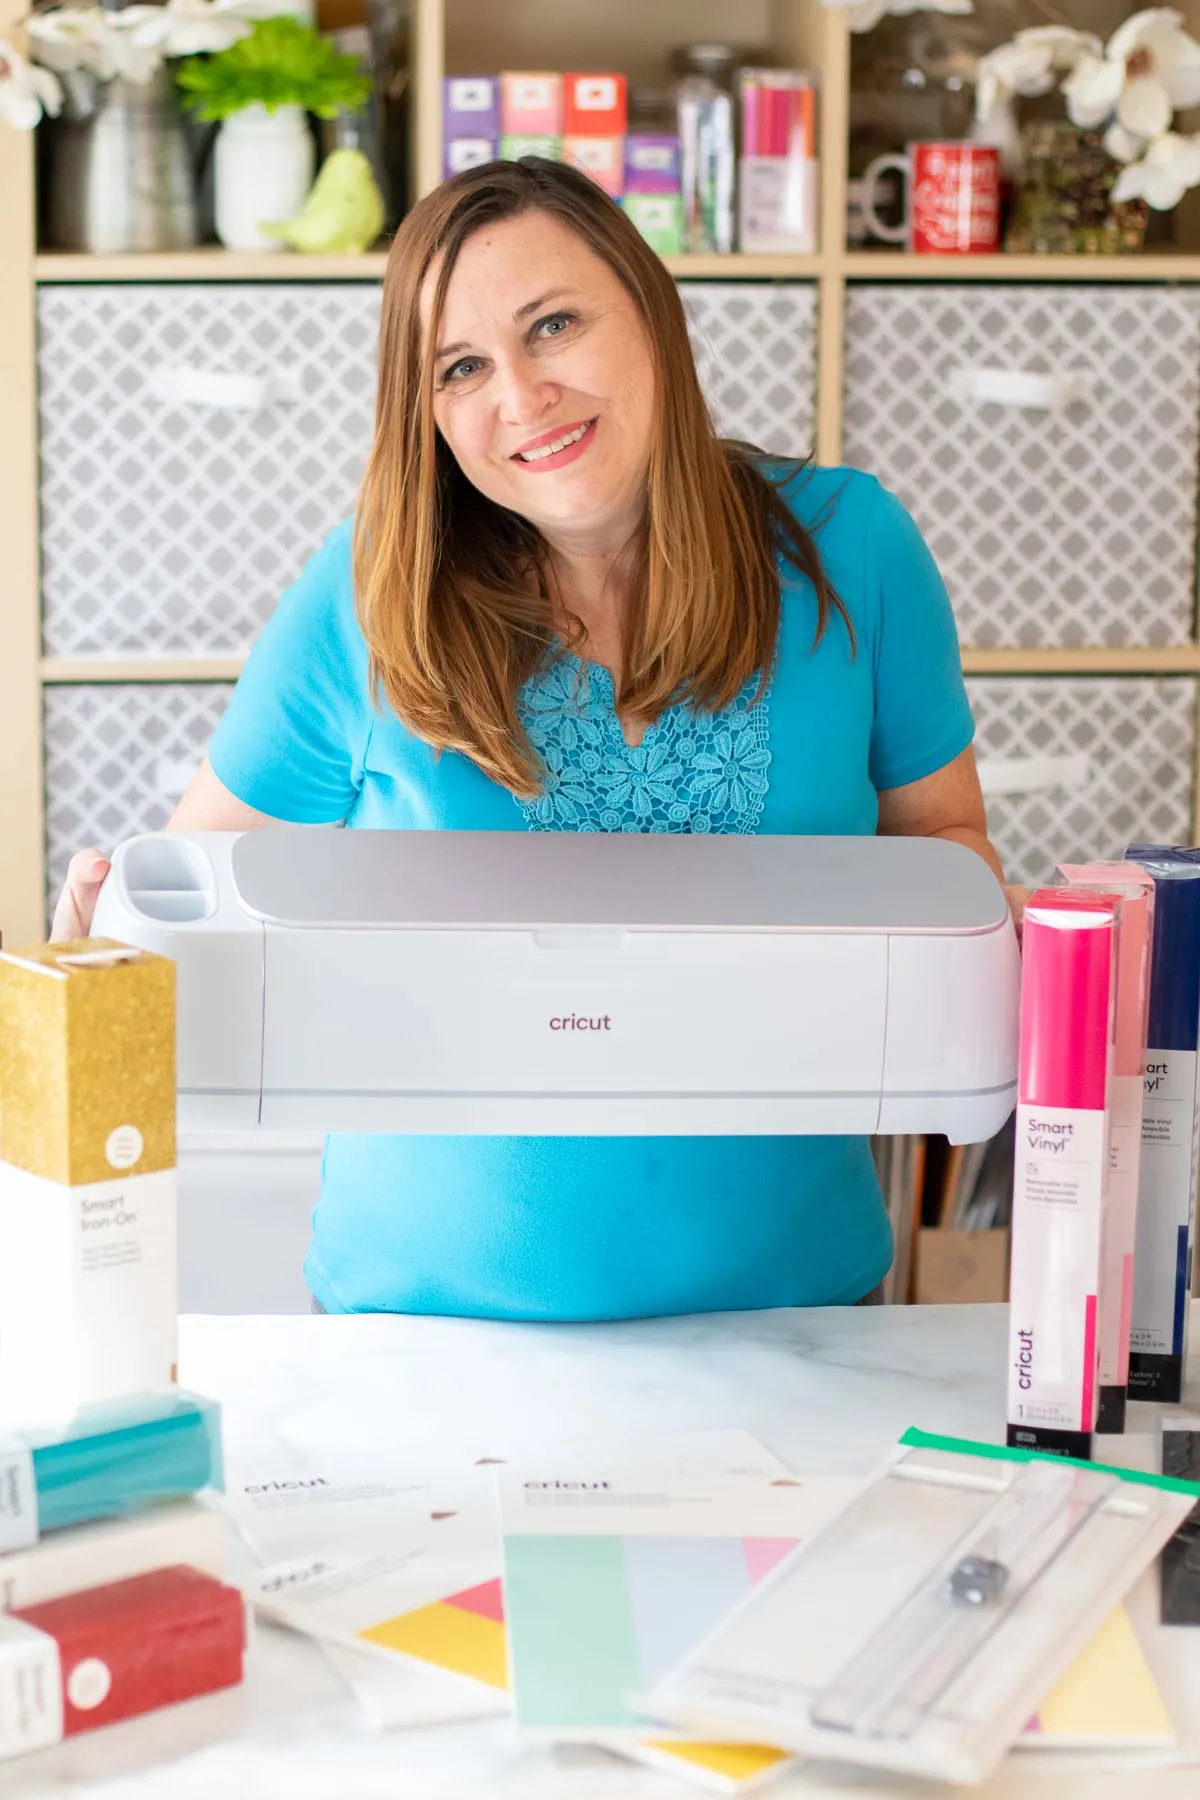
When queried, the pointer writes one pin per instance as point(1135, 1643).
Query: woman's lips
point(557, 459)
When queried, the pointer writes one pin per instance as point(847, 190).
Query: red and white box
point(531, 105)
point(91, 1659)
point(594, 106)
point(601, 158)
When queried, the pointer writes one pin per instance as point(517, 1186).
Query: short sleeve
point(922, 715)
point(292, 739)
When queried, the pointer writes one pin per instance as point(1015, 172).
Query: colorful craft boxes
point(594, 106)
point(531, 105)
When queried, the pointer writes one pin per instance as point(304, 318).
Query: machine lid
point(516, 880)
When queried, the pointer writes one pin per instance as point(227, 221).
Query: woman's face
point(544, 379)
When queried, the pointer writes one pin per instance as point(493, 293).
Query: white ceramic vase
point(263, 170)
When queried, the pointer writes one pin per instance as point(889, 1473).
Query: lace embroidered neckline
point(692, 772)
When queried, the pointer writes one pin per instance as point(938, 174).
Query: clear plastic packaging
point(109, 1459)
point(919, 1631)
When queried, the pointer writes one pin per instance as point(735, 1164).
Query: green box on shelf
point(659, 218)
point(512, 148)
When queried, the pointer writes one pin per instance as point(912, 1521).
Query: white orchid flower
point(67, 38)
point(1029, 64)
point(866, 14)
point(1123, 146)
point(1169, 168)
point(197, 27)
point(1150, 69)
point(26, 91)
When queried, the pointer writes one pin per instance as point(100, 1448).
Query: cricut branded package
point(920, 1630)
point(1068, 985)
point(1170, 1123)
point(87, 1177)
point(1134, 889)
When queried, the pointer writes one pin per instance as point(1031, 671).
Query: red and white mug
point(952, 203)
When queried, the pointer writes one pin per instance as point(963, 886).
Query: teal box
point(659, 218)
point(112, 1458)
point(511, 148)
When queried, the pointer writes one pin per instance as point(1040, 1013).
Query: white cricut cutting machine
point(561, 983)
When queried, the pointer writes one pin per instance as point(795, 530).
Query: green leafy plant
point(280, 63)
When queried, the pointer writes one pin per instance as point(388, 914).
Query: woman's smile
point(555, 449)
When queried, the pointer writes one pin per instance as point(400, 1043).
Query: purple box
point(652, 164)
point(470, 107)
point(468, 153)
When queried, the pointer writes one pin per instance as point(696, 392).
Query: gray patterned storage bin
point(756, 351)
point(1046, 440)
point(1074, 769)
point(197, 442)
point(118, 756)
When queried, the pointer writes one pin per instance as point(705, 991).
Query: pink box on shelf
point(652, 164)
point(594, 105)
point(601, 158)
point(531, 105)
point(470, 107)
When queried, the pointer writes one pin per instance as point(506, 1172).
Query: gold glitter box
point(87, 1061)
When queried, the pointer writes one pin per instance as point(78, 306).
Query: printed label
point(652, 159)
point(18, 1496)
point(89, 1684)
point(533, 93)
point(778, 203)
point(468, 153)
point(596, 95)
point(470, 96)
point(123, 1147)
point(1058, 1204)
point(89, 1311)
point(1165, 1201)
point(31, 1707)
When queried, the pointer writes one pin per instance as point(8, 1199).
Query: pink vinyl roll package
point(1135, 931)
point(1068, 992)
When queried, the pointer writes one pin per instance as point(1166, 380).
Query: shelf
point(210, 263)
point(885, 265)
point(84, 670)
point(214, 264)
point(1179, 659)
point(1140, 659)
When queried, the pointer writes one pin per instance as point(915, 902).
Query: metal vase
point(119, 169)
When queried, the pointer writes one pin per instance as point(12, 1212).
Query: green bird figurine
point(343, 212)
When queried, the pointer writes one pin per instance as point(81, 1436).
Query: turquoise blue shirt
point(596, 1228)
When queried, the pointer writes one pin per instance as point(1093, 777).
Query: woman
point(565, 605)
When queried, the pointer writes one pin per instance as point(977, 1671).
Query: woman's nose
point(525, 395)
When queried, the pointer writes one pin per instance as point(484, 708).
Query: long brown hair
point(453, 590)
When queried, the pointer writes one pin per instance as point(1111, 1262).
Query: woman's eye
point(461, 370)
point(556, 324)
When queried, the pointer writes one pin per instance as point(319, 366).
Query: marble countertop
point(826, 1390)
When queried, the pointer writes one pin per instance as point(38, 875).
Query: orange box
point(594, 106)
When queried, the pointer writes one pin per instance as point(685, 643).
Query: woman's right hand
point(77, 902)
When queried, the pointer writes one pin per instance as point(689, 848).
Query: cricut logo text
point(566, 1484)
point(278, 1487)
point(1024, 1362)
point(576, 1022)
